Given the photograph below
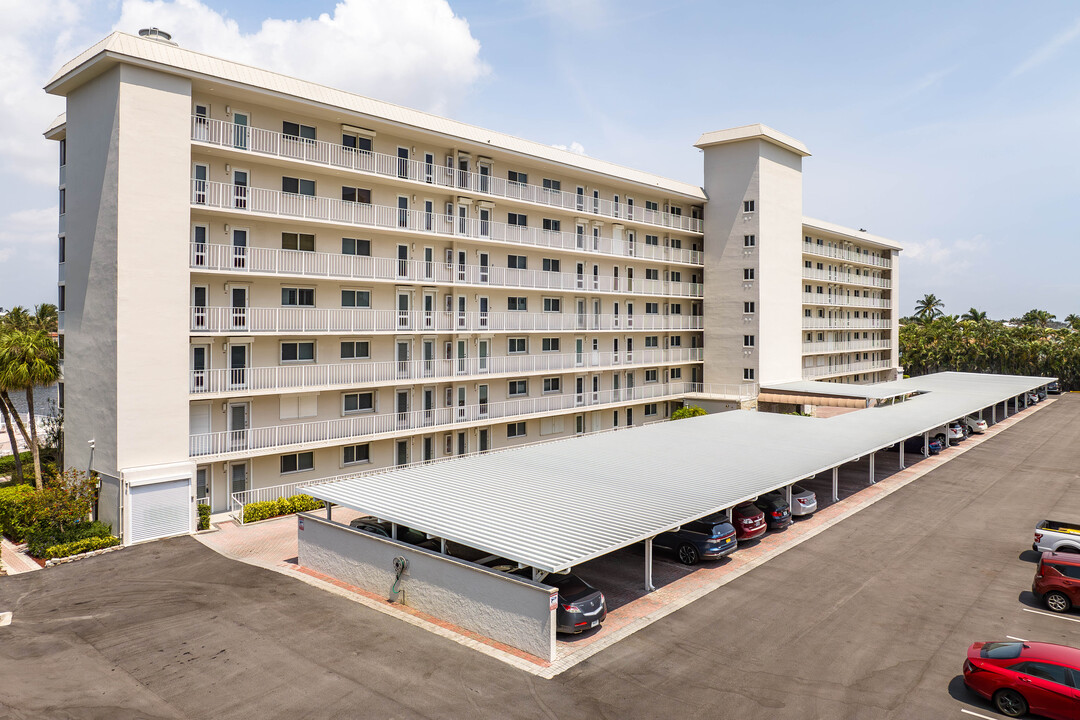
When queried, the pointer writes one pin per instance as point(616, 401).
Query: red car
point(1026, 676)
point(749, 521)
point(1057, 581)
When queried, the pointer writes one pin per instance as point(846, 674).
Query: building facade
point(266, 282)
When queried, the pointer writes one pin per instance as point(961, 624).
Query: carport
point(553, 506)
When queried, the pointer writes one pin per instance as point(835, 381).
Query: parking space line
point(1016, 638)
point(979, 715)
point(1059, 617)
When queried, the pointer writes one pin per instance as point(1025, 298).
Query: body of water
point(42, 396)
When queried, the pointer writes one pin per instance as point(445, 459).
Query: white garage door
point(160, 510)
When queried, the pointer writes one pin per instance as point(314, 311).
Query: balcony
point(845, 324)
point(271, 261)
point(348, 321)
point(273, 144)
point(837, 300)
point(62, 272)
point(245, 199)
point(816, 373)
point(60, 320)
point(314, 377)
point(849, 255)
point(821, 348)
point(362, 427)
point(845, 278)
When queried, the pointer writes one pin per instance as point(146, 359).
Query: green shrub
point(79, 546)
point(7, 462)
point(17, 511)
point(204, 517)
point(688, 411)
point(45, 535)
point(254, 512)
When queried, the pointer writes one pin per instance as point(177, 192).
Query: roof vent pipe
point(157, 34)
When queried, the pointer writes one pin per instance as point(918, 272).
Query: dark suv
point(709, 538)
point(1057, 581)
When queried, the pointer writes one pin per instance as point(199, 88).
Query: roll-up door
point(160, 510)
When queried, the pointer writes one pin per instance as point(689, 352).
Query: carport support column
point(328, 506)
point(993, 414)
point(648, 565)
point(901, 454)
point(871, 468)
point(926, 444)
point(789, 496)
point(836, 484)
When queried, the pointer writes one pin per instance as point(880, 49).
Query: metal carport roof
point(555, 505)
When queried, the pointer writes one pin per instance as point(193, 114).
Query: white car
point(975, 425)
point(953, 433)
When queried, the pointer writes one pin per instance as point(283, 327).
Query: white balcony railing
point(312, 377)
point(845, 278)
point(820, 348)
point(844, 300)
point(846, 369)
point(272, 261)
point(60, 320)
point(62, 272)
point(242, 198)
point(365, 425)
point(849, 255)
point(275, 144)
point(845, 324)
point(347, 321)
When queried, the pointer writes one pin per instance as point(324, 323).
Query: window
point(652, 341)
point(651, 375)
point(518, 388)
point(353, 246)
point(807, 313)
point(552, 305)
point(356, 298)
point(748, 206)
point(652, 274)
point(63, 248)
point(650, 410)
point(808, 288)
point(550, 344)
point(551, 265)
point(297, 186)
point(517, 262)
point(654, 206)
point(652, 239)
point(676, 341)
point(676, 373)
point(354, 194)
point(517, 303)
point(358, 402)
point(515, 346)
point(297, 130)
point(298, 351)
point(298, 297)
point(63, 201)
point(1045, 671)
point(748, 274)
point(61, 298)
point(517, 177)
point(652, 308)
point(297, 462)
point(748, 307)
point(517, 219)
point(676, 276)
point(355, 350)
point(749, 241)
point(748, 340)
point(298, 241)
point(514, 430)
point(355, 454)
point(63, 152)
point(675, 309)
point(552, 385)
point(356, 142)
point(748, 373)
point(553, 185)
point(552, 225)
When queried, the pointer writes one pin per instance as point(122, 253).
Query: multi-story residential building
point(266, 281)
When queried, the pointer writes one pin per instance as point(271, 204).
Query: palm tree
point(29, 358)
point(1038, 318)
point(929, 307)
point(45, 317)
point(1073, 321)
point(974, 315)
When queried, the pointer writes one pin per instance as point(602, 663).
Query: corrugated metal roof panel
point(555, 505)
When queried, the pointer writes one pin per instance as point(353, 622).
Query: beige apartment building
point(266, 282)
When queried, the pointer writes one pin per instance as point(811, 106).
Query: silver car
point(803, 501)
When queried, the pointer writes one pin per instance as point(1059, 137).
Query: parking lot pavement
point(868, 619)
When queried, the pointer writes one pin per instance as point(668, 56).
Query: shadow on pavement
point(959, 692)
point(1030, 556)
point(1027, 597)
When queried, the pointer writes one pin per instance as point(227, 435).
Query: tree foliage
point(688, 411)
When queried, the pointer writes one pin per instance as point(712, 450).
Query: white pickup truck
point(1054, 536)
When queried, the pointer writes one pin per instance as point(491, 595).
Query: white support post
point(789, 495)
point(836, 484)
point(901, 454)
point(1025, 400)
point(993, 414)
point(871, 468)
point(648, 566)
point(926, 444)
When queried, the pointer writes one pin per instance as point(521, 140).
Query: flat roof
point(555, 505)
point(850, 233)
point(756, 131)
point(874, 391)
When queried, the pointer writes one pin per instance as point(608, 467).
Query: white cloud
point(1047, 51)
point(574, 147)
point(411, 52)
point(957, 254)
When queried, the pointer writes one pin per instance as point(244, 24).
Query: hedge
point(79, 546)
point(40, 539)
point(16, 511)
point(253, 512)
point(7, 462)
point(204, 517)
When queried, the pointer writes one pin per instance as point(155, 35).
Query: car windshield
point(721, 530)
point(1001, 650)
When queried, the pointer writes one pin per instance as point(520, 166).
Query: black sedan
point(777, 512)
point(581, 606)
point(708, 538)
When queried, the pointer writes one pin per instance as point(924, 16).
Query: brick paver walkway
point(15, 560)
point(272, 544)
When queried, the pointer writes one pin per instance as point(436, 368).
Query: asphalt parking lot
point(869, 619)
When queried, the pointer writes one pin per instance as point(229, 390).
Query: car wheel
point(1057, 602)
point(941, 439)
point(1010, 703)
point(688, 554)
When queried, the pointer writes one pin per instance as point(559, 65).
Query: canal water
point(44, 402)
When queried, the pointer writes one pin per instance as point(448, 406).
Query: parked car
point(776, 509)
point(1056, 536)
point(581, 606)
point(1041, 392)
point(749, 521)
point(803, 501)
point(915, 445)
point(383, 528)
point(1057, 581)
point(1054, 388)
point(1025, 676)
point(958, 431)
point(949, 434)
point(1032, 398)
point(709, 538)
point(974, 425)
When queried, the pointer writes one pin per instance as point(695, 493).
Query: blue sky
point(948, 127)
